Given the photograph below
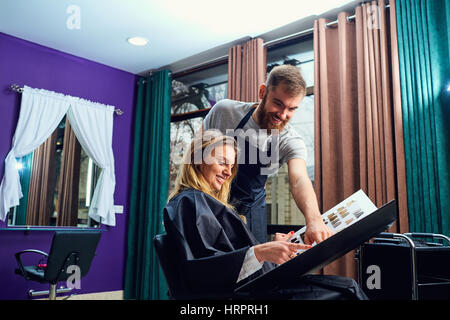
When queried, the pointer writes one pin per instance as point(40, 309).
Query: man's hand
point(317, 231)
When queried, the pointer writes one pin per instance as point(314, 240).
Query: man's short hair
point(290, 77)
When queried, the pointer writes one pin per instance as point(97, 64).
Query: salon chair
point(170, 260)
point(68, 248)
point(166, 253)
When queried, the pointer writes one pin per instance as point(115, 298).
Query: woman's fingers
point(298, 246)
point(279, 236)
point(289, 235)
point(292, 249)
point(283, 236)
point(278, 251)
point(295, 247)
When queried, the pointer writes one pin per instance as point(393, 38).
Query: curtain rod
point(202, 65)
point(19, 89)
point(307, 31)
point(267, 44)
point(350, 18)
point(288, 37)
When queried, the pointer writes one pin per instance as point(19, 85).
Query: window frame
point(271, 228)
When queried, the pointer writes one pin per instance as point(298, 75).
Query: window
point(281, 207)
point(192, 96)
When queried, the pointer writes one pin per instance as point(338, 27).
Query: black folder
point(326, 251)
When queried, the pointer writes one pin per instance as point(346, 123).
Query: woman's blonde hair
point(190, 176)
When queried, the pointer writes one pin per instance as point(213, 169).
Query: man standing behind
point(264, 131)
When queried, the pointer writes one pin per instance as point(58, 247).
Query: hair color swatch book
point(342, 215)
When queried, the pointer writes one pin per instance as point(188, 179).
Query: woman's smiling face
point(216, 167)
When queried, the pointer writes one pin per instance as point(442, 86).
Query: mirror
point(58, 180)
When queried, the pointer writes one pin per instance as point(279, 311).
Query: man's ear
point(262, 90)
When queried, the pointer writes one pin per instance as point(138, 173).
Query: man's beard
point(264, 118)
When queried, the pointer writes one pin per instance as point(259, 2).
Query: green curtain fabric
point(149, 187)
point(24, 173)
point(423, 40)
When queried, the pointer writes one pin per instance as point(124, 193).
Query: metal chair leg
point(52, 293)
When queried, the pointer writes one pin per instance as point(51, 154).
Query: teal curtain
point(24, 173)
point(423, 39)
point(149, 187)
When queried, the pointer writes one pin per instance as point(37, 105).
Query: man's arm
point(305, 198)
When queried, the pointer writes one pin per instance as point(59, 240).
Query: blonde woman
point(215, 249)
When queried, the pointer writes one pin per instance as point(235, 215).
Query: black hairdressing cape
point(212, 241)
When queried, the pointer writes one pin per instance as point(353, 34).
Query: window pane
point(303, 123)
point(281, 206)
point(303, 52)
point(191, 92)
point(199, 90)
point(181, 135)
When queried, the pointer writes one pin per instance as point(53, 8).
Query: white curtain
point(92, 123)
point(40, 113)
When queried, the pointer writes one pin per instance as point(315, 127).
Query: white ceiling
point(176, 29)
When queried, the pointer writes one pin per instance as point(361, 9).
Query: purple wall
point(26, 63)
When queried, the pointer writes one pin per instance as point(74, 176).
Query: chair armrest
point(19, 260)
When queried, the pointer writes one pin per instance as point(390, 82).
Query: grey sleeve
point(292, 147)
point(212, 119)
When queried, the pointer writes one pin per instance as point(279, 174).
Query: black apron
point(248, 193)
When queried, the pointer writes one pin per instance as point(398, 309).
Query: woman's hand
point(283, 236)
point(278, 251)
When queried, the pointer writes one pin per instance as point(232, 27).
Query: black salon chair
point(172, 267)
point(68, 248)
point(166, 254)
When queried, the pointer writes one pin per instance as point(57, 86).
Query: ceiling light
point(138, 41)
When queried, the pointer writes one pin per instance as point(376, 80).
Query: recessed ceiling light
point(138, 41)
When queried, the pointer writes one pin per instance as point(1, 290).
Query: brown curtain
point(68, 181)
point(246, 70)
point(358, 132)
point(41, 188)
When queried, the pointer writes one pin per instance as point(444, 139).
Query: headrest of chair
point(78, 245)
